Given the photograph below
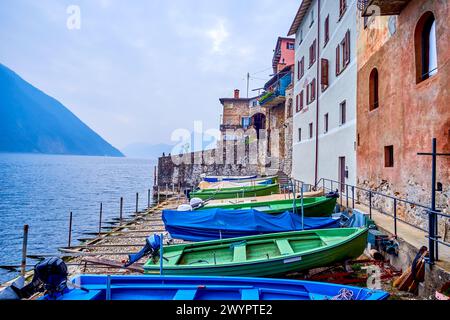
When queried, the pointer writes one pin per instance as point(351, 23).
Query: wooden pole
point(24, 250)
point(158, 192)
point(148, 199)
point(121, 209)
point(100, 219)
point(70, 229)
point(137, 202)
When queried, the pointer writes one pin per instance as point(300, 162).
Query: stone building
point(403, 101)
point(324, 120)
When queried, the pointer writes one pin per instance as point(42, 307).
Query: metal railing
point(352, 195)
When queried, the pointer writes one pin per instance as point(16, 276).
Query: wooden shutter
point(298, 70)
point(307, 93)
point(301, 100)
point(303, 66)
point(347, 48)
point(324, 75)
point(338, 59)
point(327, 29)
point(313, 90)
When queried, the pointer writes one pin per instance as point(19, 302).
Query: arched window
point(425, 47)
point(373, 90)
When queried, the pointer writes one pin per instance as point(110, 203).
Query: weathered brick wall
point(409, 114)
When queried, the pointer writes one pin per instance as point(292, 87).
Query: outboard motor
point(332, 194)
point(184, 207)
point(196, 203)
point(151, 248)
point(50, 276)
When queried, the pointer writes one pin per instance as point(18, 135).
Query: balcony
point(224, 127)
point(382, 7)
point(276, 92)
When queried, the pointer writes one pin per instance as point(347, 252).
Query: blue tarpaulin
point(215, 224)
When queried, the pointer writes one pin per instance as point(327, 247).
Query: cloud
point(219, 34)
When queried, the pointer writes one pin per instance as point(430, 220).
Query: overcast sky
point(136, 70)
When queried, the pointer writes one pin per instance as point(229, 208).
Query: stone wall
point(231, 159)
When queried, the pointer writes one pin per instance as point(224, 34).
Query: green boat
point(312, 207)
point(262, 255)
point(238, 192)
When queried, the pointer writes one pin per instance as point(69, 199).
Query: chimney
point(236, 94)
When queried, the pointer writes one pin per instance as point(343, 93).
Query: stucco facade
point(329, 150)
point(410, 112)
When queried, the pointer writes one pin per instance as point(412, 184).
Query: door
point(342, 173)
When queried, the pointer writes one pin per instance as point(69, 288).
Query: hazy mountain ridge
point(33, 122)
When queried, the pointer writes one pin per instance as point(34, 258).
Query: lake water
point(41, 190)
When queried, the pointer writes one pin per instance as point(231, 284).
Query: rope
point(344, 294)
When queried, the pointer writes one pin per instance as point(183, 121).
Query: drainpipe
point(317, 94)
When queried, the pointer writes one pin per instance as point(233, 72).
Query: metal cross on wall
point(432, 217)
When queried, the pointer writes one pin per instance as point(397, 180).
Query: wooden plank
point(284, 247)
point(110, 263)
point(185, 294)
point(240, 253)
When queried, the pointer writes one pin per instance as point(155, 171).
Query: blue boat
point(102, 287)
point(213, 224)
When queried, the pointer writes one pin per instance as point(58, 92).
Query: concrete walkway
point(409, 234)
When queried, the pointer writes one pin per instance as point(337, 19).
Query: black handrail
point(432, 231)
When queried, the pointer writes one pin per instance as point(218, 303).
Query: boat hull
point(102, 287)
point(253, 191)
point(313, 207)
point(349, 249)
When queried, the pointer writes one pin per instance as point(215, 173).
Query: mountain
point(146, 150)
point(33, 122)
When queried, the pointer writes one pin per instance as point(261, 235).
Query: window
point(373, 90)
point(300, 37)
point(324, 75)
point(290, 46)
point(299, 134)
point(343, 112)
point(359, 140)
point(312, 53)
point(425, 47)
point(325, 123)
point(311, 92)
point(300, 68)
point(299, 102)
point(245, 122)
point(389, 156)
point(311, 18)
point(342, 8)
point(311, 133)
point(327, 30)
point(343, 54)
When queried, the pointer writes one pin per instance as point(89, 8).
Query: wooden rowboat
point(102, 287)
point(272, 197)
point(313, 207)
point(262, 255)
point(239, 192)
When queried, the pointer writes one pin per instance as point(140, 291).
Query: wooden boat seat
point(250, 294)
point(284, 247)
point(185, 294)
point(240, 253)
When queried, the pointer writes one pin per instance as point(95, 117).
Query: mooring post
point(158, 194)
point(137, 202)
point(24, 250)
point(100, 219)
point(148, 199)
point(370, 204)
point(121, 209)
point(70, 230)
